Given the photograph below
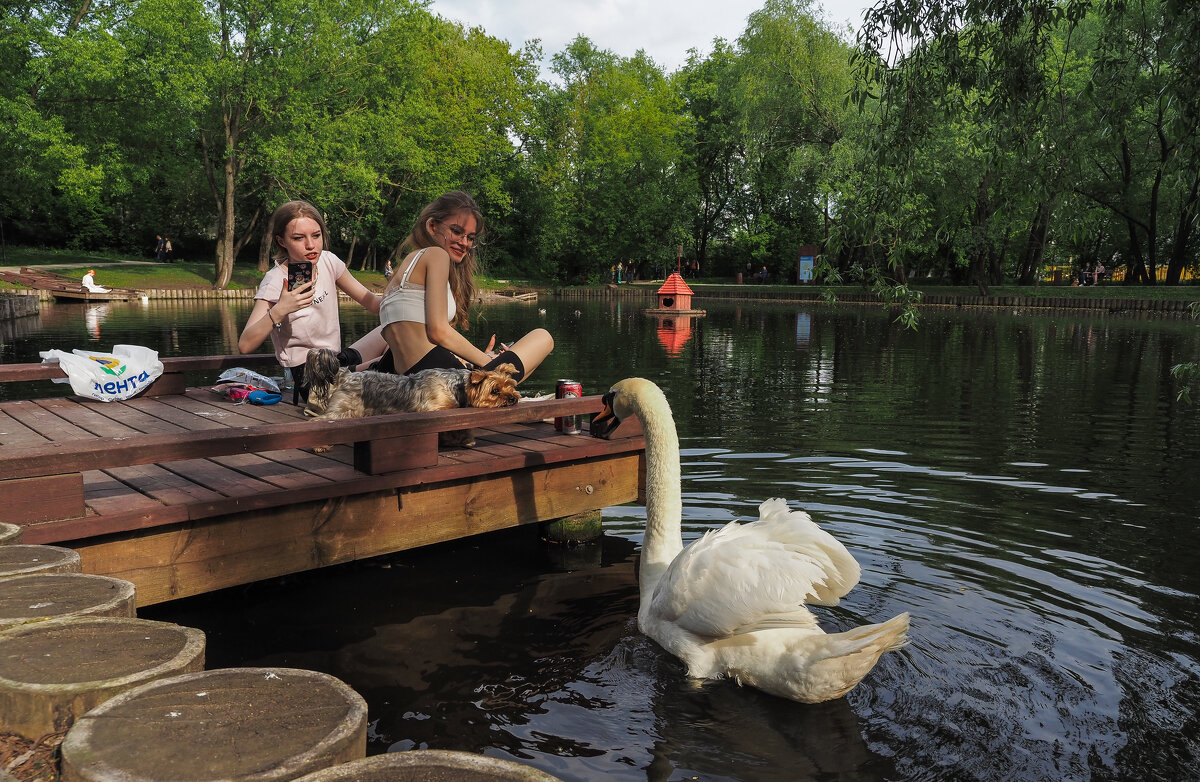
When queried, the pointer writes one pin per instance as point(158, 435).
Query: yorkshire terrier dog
point(336, 393)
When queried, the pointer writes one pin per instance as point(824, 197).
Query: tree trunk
point(226, 217)
point(981, 250)
point(264, 250)
point(1035, 247)
point(1181, 242)
point(1137, 268)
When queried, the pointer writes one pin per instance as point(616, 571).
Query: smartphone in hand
point(298, 273)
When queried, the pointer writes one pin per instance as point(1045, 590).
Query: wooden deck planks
point(166, 486)
point(13, 432)
point(335, 465)
point(47, 423)
point(106, 494)
point(130, 498)
point(166, 412)
point(87, 418)
point(134, 419)
point(150, 487)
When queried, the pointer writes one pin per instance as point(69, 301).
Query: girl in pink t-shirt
point(307, 317)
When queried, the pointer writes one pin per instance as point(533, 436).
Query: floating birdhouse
point(675, 298)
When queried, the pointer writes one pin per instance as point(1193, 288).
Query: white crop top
point(406, 302)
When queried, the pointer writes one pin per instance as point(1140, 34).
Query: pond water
point(1026, 486)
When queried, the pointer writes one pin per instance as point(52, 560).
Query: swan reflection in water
point(554, 672)
point(481, 646)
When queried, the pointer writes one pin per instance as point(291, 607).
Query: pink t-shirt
point(316, 326)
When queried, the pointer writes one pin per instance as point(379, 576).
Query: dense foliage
point(978, 141)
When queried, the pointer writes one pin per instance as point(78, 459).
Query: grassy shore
point(128, 271)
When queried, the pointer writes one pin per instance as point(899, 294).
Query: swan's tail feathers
point(846, 658)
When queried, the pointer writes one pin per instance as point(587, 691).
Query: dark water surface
point(1026, 486)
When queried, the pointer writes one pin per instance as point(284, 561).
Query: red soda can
point(563, 389)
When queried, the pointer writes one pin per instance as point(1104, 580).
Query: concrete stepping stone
point(41, 596)
point(229, 724)
point(9, 533)
point(430, 765)
point(53, 672)
point(20, 559)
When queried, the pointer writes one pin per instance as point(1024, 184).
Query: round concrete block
point(230, 724)
point(430, 765)
point(43, 596)
point(20, 559)
point(9, 533)
point(52, 672)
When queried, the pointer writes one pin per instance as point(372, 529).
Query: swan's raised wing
point(755, 576)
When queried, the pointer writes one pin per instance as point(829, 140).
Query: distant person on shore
point(762, 276)
point(387, 270)
point(432, 290)
point(89, 283)
point(307, 317)
point(167, 249)
point(160, 247)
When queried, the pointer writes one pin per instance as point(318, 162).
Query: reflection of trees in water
point(231, 327)
point(461, 674)
point(554, 672)
point(478, 646)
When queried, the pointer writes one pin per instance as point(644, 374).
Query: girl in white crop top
point(419, 320)
point(406, 301)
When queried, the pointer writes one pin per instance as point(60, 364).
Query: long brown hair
point(462, 275)
point(282, 217)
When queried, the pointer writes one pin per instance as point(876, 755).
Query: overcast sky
point(665, 29)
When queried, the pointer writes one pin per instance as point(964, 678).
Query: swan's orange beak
point(604, 422)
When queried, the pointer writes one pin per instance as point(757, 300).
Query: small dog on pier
point(336, 393)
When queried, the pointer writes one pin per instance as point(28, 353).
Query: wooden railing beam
point(70, 456)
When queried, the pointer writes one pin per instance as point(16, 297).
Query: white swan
point(733, 603)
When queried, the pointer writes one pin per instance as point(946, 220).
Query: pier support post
point(573, 542)
point(580, 528)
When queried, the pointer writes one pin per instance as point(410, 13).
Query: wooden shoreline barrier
point(814, 295)
point(178, 492)
point(713, 293)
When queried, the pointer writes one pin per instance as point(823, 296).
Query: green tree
point(604, 150)
point(793, 83)
point(713, 147)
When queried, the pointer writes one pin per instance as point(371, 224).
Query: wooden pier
point(182, 492)
point(64, 289)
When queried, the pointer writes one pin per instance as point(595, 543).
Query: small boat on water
point(64, 288)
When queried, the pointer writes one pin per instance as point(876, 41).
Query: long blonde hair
point(462, 274)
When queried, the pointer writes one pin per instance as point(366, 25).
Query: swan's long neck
point(664, 505)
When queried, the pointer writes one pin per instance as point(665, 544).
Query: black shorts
point(441, 358)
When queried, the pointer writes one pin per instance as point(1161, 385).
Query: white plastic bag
point(122, 374)
point(249, 377)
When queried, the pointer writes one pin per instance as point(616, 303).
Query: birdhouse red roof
point(674, 286)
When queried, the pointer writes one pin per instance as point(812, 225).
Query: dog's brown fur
point(336, 393)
